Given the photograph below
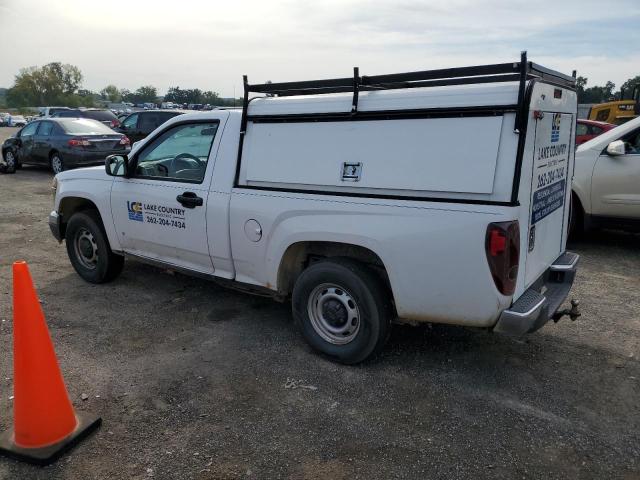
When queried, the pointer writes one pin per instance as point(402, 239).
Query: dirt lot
point(196, 381)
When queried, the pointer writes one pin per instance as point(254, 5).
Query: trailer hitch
point(573, 313)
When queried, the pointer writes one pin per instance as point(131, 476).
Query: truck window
point(180, 154)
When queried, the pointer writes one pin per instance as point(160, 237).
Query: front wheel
point(11, 162)
point(342, 309)
point(88, 248)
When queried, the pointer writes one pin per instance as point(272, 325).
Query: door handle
point(189, 200)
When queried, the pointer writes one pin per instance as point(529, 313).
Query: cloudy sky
point(210, 44)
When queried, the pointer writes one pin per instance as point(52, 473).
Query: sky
point(211, 44)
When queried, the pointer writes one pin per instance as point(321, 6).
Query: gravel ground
point(196, 381)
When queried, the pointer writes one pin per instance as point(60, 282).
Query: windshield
point(84, 126)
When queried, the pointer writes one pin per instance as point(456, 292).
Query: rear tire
point(342, 309)
point(56, 163)
point(89, 250)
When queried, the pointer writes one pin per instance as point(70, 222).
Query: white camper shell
point(434, 196)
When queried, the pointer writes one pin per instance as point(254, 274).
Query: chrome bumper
point(54, 225)
point(537, 305)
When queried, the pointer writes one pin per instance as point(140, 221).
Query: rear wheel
point(342, 309)
point(88, 248)
point(56, 163)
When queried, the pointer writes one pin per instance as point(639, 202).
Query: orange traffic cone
point(45, 425)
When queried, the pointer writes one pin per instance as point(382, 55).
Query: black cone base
point(47, 455)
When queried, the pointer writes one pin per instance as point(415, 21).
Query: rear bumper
point(83, 158)
point(537, 305)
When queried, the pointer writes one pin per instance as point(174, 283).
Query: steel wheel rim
point(334, 314)
point(86, 248)
point(56, 164)
point(10, 159)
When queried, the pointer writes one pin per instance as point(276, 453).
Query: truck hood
point(91, 173)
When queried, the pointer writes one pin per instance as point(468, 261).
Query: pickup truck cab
point(437, 196)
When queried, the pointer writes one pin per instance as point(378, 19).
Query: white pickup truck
point(434, 196)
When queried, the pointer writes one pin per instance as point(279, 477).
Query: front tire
point(89, 250)
point(576, 218)
point(56, 163)
point(11, 162)
point(342, 309)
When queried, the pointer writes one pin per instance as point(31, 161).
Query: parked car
point(17, 121)
point(140, 124)
point(47, 112)
point(606, 184)
point(588, 129)
point(62, 143)
point(4, 119)
point(362, 208)
point(103, 115)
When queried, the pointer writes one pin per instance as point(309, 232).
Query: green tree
point(626, 90)
point(146, 94)
point(111, 93)
point(54, 83)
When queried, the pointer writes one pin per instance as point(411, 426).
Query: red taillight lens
point(502, 246)
point(115, 123)
point(125, 140)
point(78, 142)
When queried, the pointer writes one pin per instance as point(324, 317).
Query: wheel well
point(299, 256)
point(70, 205)
point(576, 199)
point(51, 154)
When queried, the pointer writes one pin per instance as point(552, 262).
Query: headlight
point(54, 189)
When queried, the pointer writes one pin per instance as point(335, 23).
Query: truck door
point(553, 151)
point(615, 187)
point(159, 212)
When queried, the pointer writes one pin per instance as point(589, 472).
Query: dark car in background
point(62, 143)
point(588, 129)
point(140, 124)
point(103, 115)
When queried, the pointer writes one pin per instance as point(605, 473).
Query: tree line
point(61, 84)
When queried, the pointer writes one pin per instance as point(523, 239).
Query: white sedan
point(17, 121)
point(606, 184)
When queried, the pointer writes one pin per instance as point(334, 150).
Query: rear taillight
point(125, 140)
point(115, 123)
point(502, 245)
point(78, 142)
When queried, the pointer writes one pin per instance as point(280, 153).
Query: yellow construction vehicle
point(618, 111)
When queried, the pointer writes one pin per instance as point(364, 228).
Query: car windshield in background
point(84, 126)
point(101, 115)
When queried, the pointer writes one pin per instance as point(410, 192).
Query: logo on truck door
point(135, 211)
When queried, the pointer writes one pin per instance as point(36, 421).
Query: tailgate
point(548, 208)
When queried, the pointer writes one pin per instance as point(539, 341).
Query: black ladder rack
point(521, 72)
point(497, 72)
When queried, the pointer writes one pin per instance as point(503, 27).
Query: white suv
point(606, 183)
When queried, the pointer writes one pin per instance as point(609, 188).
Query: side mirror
point(616, 148)
point(117, 166)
